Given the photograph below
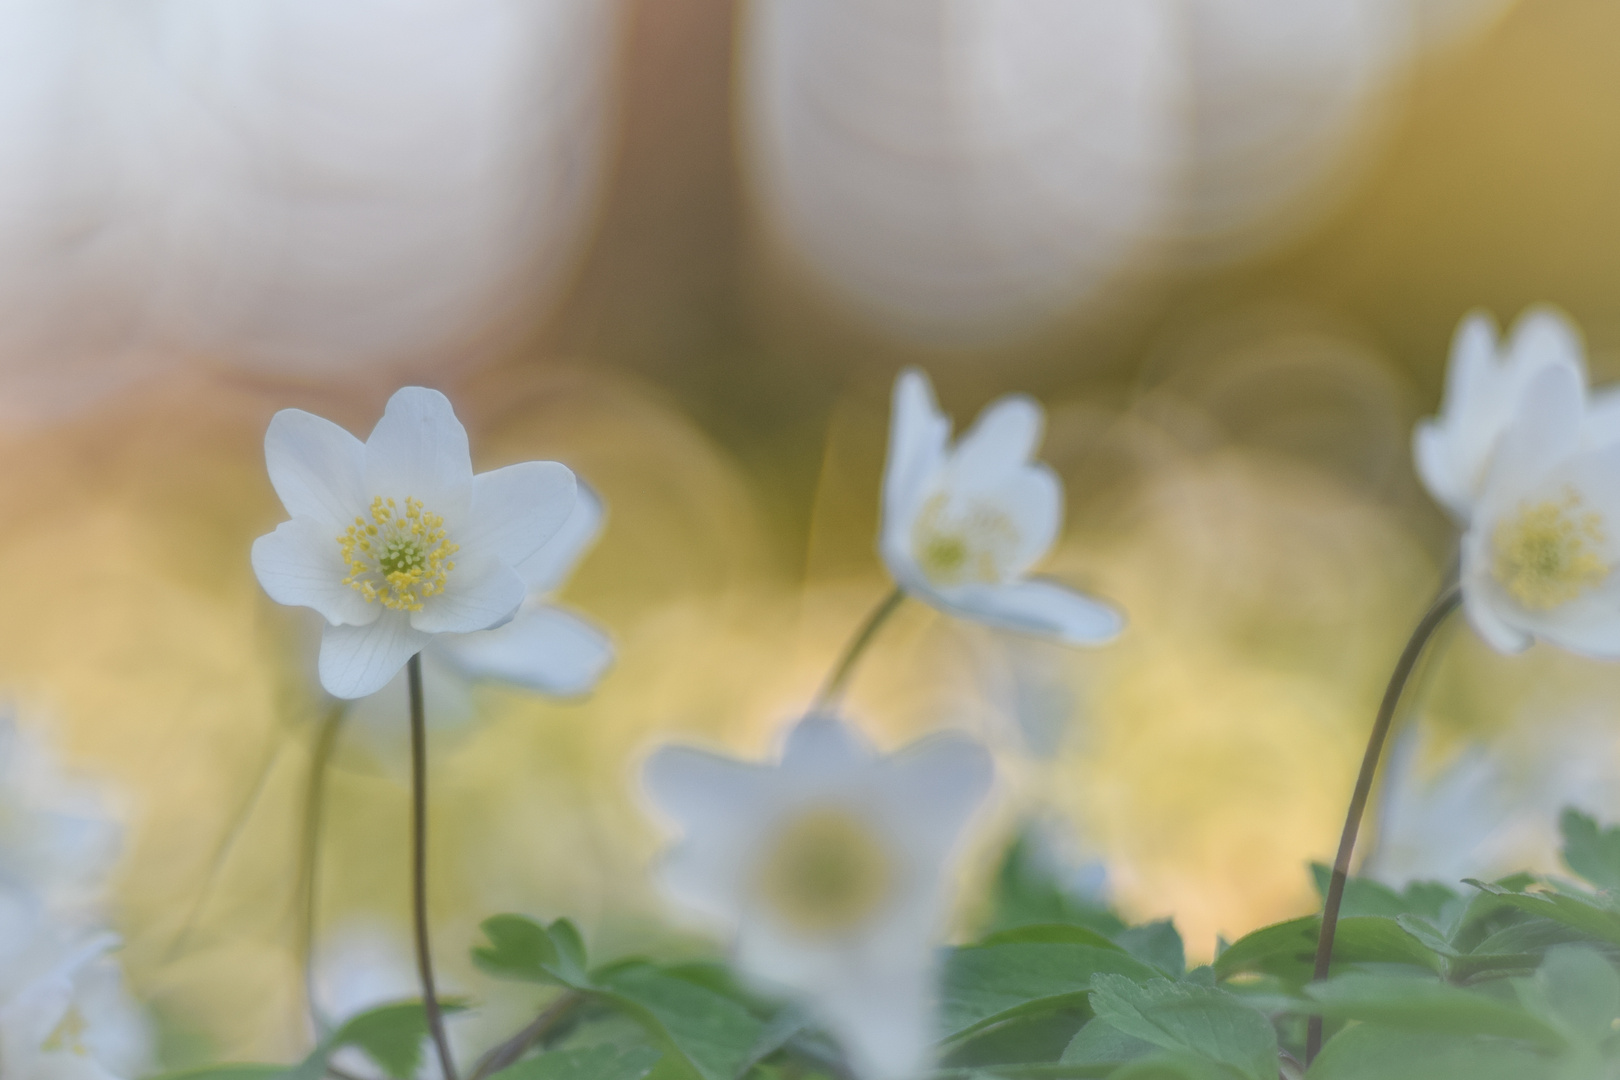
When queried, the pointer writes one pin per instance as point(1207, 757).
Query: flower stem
point(513, 1049)
point(833, 689)
point(309, 856)
point(424, 957)
point(1444, 604)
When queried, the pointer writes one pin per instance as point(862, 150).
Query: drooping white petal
point(1003, 438)
point(543, 648)
point(918, 435)
point(419, 449)
point(317, 468)
point(547, 569)
point(517, 509)
point(482, 592)
point(884, 1020)
point(300, 564)
point(1039, 607)
point(821, 746)
point(359, 660)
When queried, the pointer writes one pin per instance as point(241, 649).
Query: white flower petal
point(1033, 498)
point(884, 1021)
point(1602, 424)
point(517, 509)
point(316, 467)
point(1479, 604)
point(419, 449)
point(699, 790)
point(1005, 437)
point(1040, 607)
point(821, 746)
point(1544, 335)
point(1545, 430)
point(938, 783)
point(482, 592)
point(918, 436)
point(300, 564)
point(543, 648)
point(547, 569)
point(1431, 453)
point(359, 660)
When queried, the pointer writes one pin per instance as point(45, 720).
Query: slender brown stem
point(538, 1028)
point(1443, 605)
point(833, 689)
point(309, 856)
point(424, 956)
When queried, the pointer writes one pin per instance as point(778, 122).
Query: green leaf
point(986, 984)
point(1576, 990)
point(710, 1031)
point(1156, 943)
point(520, 948)
point(1031, 1038)
point(1025, 892)
point(1591, 851)
point(590, 1063)
point(390, 1035)
point(1100, 1042)
point(1415, 1004)
point(780, 1030)
point(1288, 949)
point(1051, 934)
point(242, 1071)
point(1573, 911)
point(1372, 1052)
point(1204, 1022)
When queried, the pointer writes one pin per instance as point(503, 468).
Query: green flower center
point(1547, 553)
point(976, 546)
point(826, 873)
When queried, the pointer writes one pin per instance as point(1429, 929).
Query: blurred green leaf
point(1030, 1038)
point(986, 984)
point(1025, 892)
point(1174, 1066)
point(591, 1063)
point(1577, 912)
point(1576, 990)
point(240, 1071)
point(1591, 851)
point(1372, 1052)
point(1099, 1042)
point(1052, 934)
point(390, 1035)
point(1202, 1022)
point(520, 948)
point(1156, 943)
point(711, 1032)
point(1419, 1004)
point(1288, 949)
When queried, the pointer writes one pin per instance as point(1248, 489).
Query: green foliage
point(590, 1063)
point(1590, 851)
point(1202, 1023)
point(390, 1035)
point(520, 948)
point(1025, 893)
point(990, 984)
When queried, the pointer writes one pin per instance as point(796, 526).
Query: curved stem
point(1444, 604)
point(538, 1028)
point(424, 956)
point(833, 689)
point(309, 857)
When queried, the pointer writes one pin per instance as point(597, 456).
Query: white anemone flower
point(74, 1021)
point(1485, 380)
point(545, 648)
point(963, 525)
point(395, 540)
point(1539, 559)
point(829, 869)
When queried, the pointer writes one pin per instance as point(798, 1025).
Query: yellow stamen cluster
point(972, 547)
point(825, 873)
point(397, 559)
point(1546, 555)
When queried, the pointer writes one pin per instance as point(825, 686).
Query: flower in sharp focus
point(963, 525)
point(1485, 381)
point(545, 648)
point(395, 540)
point(74, 1020)
point(1539, 556)
point(829, 869)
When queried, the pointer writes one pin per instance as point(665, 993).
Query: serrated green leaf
point(1100, 1042)
point(1576, 990)
point(1051, 934)
point(711, 1032)
point(520, 948)
point(1203, 1022)
point(1591, 851)
point(1372, 1052)
point(987, 984)
point(1418, 1004)
point(1576, 912)
point(1288, 949)
point(590, 1063)
point(1156, 943)
point(390, 1035)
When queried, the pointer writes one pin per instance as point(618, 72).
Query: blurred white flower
point(1486, 380)
point(1538, 558)
point(545, 648)
point(829, 869)
point(309, 187)
point(395, 540)
point(964, 524)
point(74, 1021)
